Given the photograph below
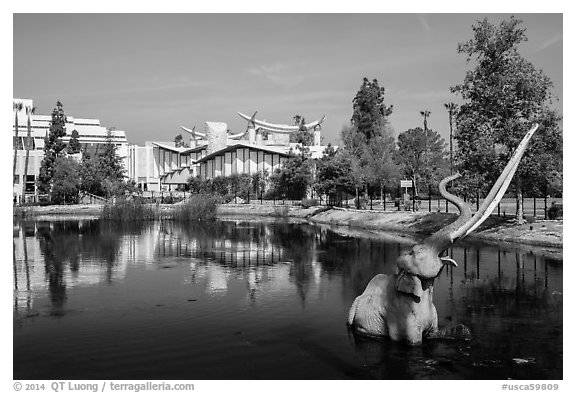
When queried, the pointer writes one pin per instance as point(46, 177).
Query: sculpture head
point(424, 260)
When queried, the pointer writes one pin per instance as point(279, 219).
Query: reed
point(199, 207)
point(129, 210)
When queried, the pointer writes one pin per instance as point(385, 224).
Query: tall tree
point(503, 96)
point(369, 122)
point(425, 114)
point(370, 113)
point(382, 168)
point(111, 167)
point(353, 154)
point(411, 156)
point(333, 173)
point(29, 142)
point(17, 107)
point(451, 108)
point(53, 148)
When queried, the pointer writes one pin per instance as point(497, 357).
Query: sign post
point(406, 184)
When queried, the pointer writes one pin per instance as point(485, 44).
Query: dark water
point(253, 300)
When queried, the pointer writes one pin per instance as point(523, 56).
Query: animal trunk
point(467, 223)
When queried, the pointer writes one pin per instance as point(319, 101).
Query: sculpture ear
point(410, 284)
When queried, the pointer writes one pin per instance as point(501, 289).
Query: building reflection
point(52, 256)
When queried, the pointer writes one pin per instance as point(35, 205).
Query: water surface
point(243, 299)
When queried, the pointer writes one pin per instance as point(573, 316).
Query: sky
point(148, 74)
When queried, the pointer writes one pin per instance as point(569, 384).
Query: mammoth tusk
point(497, 191)
point(448, 261)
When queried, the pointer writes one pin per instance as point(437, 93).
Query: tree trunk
point(382, 194)
point(357, 199)
point(15, 147)
point(27, 147)
point(519, 205)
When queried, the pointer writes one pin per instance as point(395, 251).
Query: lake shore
point(540, 233)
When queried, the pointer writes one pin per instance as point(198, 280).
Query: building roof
point(245, 144)
point(195, 149)
point(167, 146)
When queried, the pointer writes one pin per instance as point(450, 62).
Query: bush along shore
point(200, 207)
point(540, 233)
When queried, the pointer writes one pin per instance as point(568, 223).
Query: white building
point(161, 166)
point(92, 137)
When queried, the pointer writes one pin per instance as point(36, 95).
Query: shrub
point(555, 211)
point(281, 211)
point(307, 202)
point(129, 210)
point(169, 200)
point(199, 207)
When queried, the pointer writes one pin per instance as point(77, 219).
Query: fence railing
point(533, 206)
point(537, 207)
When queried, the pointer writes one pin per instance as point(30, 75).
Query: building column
point(251, 134)
point(317, 136)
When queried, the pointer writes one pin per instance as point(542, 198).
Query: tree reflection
point(66, 245)
point(312, 253)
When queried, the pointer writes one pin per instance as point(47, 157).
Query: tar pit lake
point(247, 299)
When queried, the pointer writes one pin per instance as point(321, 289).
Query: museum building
point(163, 166)
point(92, 138)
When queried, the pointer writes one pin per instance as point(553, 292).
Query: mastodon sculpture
point(400, 306)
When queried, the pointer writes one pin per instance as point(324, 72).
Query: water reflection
point(77, 253)
point(273, 278)
point(52, 256)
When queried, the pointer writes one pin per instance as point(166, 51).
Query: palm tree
point(17, 107)
point(451, 108)
point(29, 111)
point(425, 114)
